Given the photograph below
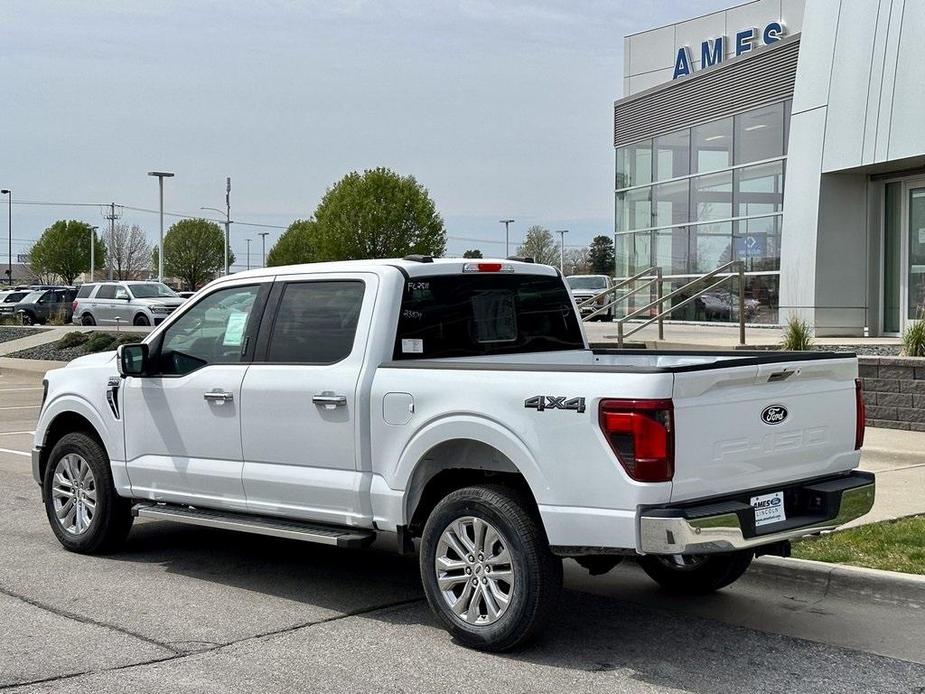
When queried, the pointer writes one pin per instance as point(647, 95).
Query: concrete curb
point(889, 586)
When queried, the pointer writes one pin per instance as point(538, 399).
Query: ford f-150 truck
point(454, 404)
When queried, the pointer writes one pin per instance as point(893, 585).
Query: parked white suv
point(124, 303)
point(455, 403)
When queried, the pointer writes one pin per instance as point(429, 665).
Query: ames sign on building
point(785, 134)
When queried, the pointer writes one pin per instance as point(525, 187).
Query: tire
point(87, 319)
point(141, 319)
point(110, 519)
point(535, 573)
point(28, 318)
point(700, 574)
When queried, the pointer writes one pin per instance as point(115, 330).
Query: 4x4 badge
point(773, 414)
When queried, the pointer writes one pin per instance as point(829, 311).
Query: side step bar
point(260, 525)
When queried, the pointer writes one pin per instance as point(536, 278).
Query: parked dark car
point(44, 305)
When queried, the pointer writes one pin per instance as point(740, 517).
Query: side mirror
point(133, 359)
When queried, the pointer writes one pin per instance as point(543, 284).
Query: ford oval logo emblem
point(774, 414)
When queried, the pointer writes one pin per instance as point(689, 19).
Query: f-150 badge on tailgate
point(554, 402)
point(773, 414)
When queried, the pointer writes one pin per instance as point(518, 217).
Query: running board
point(260, 525)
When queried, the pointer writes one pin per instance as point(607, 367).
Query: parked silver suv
point(124, 303)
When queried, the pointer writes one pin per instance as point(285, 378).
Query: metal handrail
point(642, 274)
point(660, 299)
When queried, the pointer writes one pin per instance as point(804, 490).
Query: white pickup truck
point(456, 403)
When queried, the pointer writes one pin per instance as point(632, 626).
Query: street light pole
point(92, 250)
point(263, 240)
point(161, 175)
point(248, 253)
point(507, 236)
point(227, 220)
point(562, 233)
point(9, 269)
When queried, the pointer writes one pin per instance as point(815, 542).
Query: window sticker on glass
point(234, 329)
point(495, 316)
point(412, 346)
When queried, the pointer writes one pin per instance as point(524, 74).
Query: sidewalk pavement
point(46, 334)
point(897, 458)
point(714, 336)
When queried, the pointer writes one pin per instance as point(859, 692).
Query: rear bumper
point(725, 525)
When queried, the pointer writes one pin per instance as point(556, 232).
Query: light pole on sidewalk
point(507, 236)
point(263, 241)
point(9, 259)
point(161, 175)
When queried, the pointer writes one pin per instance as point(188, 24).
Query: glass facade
point(692, 200)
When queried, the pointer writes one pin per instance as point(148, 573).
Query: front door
point(302, 421)
point(913, 305)
point(182, 421)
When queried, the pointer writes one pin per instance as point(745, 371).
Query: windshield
point(482, 314)
point(152, 290)
point(587, 282)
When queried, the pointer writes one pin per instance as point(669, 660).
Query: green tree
point(194, 252)
point(473, 253)
point(377, 214)
point(540, 245)
point(64, 250)
point(600, 255)
point(296, 245)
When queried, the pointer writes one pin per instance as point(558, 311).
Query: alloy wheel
point(73, 492)
point(475, 572)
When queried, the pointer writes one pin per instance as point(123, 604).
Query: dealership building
point(789, 135)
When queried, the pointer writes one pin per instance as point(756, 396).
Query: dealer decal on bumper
point(769, 508)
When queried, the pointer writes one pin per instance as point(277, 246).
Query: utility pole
point(507, 235)
point(263, 240)
point(562, 233)
point(9, 270)
point(112, 217)
point(248, 253)
point(92, 250)
point(161, 175)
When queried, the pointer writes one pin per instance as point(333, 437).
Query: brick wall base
point(894, 391)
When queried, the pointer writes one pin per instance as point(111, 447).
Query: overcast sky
point(501, 109)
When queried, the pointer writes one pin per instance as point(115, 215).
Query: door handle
point(219, 397)
point(329, 400)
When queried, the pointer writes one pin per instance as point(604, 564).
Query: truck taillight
point(861, 416)
point(641, 434)
point(73, 306)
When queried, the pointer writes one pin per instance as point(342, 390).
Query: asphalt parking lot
point(199, 610)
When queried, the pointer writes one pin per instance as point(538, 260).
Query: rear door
point(299, 399)
point(750, 427)
point(101, 304)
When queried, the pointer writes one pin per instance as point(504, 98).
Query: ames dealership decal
point(712, 51)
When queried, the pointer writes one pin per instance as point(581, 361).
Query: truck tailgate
point(750, 427)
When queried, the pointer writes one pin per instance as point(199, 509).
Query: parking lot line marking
point(14, 433)
point(8, 450)
point(21, 407)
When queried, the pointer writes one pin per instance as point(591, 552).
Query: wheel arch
point(456, 452)
point(67, 419)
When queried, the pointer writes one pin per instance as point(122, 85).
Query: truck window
point(316, 322)
point(481, 314)
point(107, 291)
point(211, 332)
